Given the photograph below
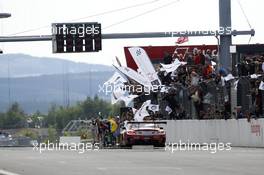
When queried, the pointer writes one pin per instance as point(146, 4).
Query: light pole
point(225, 40)
point(4, 15)
point(7, 15)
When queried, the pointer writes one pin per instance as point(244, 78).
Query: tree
point(2, 115)
point(59, 117)
point(14, 117)
point(52, 135)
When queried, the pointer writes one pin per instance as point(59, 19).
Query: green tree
point(14, 117)
point(52, 134)
point(60, 116)
point(2, 116)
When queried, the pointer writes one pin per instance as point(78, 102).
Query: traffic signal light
point(69, 39)
point(59, 43)
point(97, 42)
point(97, 37)
point(69, 43)
point(88, 43)
point(79, 38)
point(76, 37)
point(78, 44)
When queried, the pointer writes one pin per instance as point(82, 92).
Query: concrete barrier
point(70, 140)
point(237, 132)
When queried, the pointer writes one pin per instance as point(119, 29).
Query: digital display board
point(76, 37)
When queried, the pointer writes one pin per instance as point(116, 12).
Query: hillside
point(25, 65)
point(37, 82)
point(38, 93)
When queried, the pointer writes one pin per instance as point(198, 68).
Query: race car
point(143, 133)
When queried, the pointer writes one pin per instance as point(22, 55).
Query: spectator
point(194, 79)
point(95, 133)
point(167, 59)
point(202, 57)
point(208, 56)
point(248, 116)
point(189, 59)
point(207, 71)
point(240, 114)
point(196, 57)
point(223, 72)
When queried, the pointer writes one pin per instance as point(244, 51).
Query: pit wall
point(237, 132)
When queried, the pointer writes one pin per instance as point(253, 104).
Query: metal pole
point(218, 46)
point(133, 35)
point(9, 83)
point(5, 15)
point(225, 40)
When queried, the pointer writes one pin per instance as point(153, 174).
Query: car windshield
point(142, 125)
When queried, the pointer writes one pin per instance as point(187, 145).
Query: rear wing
point(148, 122)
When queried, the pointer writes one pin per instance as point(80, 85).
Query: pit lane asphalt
point(238, 161)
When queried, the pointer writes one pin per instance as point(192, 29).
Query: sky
point(36, 16)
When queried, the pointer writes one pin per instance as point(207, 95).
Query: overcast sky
point(181, 15)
